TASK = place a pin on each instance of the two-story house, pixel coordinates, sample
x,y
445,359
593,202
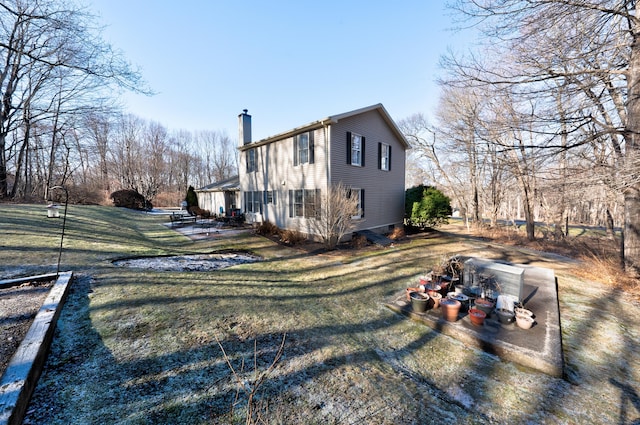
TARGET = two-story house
x,y
283,177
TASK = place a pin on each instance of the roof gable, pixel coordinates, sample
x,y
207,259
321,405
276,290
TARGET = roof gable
x,y
333,119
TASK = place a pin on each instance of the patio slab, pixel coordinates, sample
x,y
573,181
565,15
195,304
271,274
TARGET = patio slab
x,y
539,348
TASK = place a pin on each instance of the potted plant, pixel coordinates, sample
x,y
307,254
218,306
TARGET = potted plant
x,y
477,316
484,304
524,321
524,317
450,309
419,301
505,316
411,290
462,298
436,297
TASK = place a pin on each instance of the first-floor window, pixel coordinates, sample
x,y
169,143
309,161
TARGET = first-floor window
x,y
252,201
298,203
270,197
304,203
359,194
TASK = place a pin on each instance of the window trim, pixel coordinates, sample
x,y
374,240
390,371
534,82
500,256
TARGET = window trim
x,y
252,164
360,194
350,151
304,203
297,152
384,161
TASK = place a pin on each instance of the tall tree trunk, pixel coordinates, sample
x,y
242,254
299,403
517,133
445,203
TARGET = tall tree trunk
x,y
632,156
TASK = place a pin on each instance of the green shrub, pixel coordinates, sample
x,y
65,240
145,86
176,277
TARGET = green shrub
x,y
129,198
426,206
191,197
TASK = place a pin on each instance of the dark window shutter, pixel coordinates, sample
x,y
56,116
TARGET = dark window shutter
x,y
295,150
379,156
261,203
274,197
361,203
291,203
311,147
362,153
349,147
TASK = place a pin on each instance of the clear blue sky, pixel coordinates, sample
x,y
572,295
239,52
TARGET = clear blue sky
x,y
287,62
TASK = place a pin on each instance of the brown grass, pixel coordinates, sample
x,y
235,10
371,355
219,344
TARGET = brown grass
x,y
599,256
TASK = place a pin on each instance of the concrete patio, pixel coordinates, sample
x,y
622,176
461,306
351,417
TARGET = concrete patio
x,y
539,347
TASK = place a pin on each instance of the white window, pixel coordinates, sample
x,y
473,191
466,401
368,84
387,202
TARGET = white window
x,y
304,203
252,201
298,203
303,148
359,194
251,160
384,157
270,197
356,149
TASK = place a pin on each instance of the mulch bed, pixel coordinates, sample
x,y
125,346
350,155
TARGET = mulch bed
x,y
18,307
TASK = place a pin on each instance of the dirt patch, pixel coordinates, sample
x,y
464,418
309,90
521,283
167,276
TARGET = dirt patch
x,y
18,307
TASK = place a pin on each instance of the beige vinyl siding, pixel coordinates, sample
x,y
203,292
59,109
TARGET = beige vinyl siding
x,y
276,172
384,190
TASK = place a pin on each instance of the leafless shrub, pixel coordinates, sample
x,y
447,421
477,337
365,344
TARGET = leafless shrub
x,y
293,237
266,228
358,241
334,219
251,386
397,234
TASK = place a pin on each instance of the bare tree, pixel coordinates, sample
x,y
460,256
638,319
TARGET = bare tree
x,y
52,60
334,214
219,155
588,48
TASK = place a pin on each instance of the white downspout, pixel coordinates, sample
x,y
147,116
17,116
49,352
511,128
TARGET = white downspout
x,y
327,151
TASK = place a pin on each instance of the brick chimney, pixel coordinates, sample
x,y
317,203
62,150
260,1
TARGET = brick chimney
x,y
244,128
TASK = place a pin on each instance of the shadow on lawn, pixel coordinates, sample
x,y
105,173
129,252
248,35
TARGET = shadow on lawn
x,y
84,382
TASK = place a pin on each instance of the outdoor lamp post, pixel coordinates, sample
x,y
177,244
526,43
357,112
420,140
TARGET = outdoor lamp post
x,y
52,211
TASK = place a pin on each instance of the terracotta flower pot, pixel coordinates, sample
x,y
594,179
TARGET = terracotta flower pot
x,y
432,287
477,316
524,322
419,302
436,298
450,309
464,300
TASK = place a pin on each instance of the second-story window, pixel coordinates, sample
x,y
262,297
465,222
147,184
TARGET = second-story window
x,y
251,160
384,157
303,148
355,149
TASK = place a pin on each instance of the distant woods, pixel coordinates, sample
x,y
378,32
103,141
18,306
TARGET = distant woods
x,y
60,123
540,120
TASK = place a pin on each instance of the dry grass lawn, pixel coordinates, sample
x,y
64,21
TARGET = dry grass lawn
x,y
141,347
